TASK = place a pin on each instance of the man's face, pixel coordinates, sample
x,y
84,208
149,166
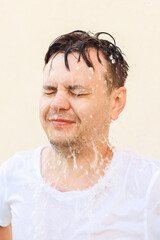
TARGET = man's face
x,y
75,106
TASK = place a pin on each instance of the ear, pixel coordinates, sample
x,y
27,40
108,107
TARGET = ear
x,y
118,102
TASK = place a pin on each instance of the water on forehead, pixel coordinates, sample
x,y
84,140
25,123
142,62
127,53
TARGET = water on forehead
x,y
79,72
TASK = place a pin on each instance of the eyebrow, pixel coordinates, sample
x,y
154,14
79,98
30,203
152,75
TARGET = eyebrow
x,y
70,87
49,87
74,87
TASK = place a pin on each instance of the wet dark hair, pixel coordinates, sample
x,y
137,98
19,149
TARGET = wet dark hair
x,y
81,41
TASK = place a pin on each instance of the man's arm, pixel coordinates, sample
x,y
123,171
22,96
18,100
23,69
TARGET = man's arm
x,y
6,233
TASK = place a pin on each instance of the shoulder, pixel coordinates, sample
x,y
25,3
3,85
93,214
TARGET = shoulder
x,y
20,163
136,171
138,162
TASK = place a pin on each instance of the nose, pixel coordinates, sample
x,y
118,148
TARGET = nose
x,y
60,102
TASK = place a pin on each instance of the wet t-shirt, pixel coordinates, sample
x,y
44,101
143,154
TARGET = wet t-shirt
x,y
123,205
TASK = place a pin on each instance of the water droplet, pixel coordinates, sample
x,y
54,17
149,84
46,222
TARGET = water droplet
x,y
111,57
59,162
91,70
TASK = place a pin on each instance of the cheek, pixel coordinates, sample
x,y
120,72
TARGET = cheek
x,y
44,107
85,110
82,108
100,111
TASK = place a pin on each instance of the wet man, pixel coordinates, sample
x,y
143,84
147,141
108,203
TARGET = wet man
x,y
79,186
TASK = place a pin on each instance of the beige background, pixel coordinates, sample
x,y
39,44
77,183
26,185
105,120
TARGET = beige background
x,y
27,28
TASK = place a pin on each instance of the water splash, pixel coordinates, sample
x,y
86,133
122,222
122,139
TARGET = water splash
x,y
95,162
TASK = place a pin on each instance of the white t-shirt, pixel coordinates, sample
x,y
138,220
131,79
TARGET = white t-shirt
x,y
123,205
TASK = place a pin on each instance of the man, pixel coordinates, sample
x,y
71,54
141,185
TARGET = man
x,y
79,186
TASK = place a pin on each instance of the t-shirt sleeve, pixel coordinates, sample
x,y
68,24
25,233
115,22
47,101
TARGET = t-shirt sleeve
x,y
153,208
5,213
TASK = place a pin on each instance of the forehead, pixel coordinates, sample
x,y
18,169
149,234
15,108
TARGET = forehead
x,y
55,69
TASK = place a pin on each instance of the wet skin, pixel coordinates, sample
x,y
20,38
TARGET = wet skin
x,y
75,111
75,104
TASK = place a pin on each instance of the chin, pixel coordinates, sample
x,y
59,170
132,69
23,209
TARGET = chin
x,y
67,142
64,146
61,139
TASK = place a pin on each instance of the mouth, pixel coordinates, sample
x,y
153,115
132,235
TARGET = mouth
x,y
60,122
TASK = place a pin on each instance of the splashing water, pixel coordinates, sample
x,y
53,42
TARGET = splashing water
x,y
95,162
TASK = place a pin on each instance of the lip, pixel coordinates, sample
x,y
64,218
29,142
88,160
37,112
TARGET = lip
x,y
60,121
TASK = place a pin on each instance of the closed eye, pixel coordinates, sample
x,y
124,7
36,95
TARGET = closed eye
x,y
49,93
49,90
79,94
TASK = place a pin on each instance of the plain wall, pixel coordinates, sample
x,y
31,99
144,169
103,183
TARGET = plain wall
x,y
28,27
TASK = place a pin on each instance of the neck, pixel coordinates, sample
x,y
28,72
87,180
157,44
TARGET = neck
x,y
75,169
